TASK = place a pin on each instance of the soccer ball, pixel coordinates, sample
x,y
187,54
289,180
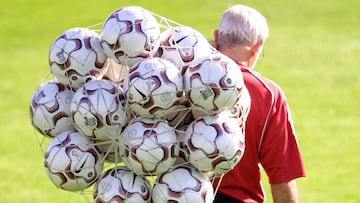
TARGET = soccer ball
x,y
130,34
111,150
180,114
98,110
213,85
214,143
241,109
76,56
119,185
152,87
182,184
50,109
150,146
115,72
183,46
72,162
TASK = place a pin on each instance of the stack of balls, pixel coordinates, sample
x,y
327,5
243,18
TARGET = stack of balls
x,y
150,98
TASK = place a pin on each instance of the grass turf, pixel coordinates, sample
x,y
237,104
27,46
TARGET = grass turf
x,y
312,53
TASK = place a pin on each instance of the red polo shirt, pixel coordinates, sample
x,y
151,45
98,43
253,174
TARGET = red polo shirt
x,y
270,141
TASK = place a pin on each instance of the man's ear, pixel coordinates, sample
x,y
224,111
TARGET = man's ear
x,y
214,42
256,48
216,34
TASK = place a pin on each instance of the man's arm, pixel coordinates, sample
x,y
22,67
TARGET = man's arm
x,y
285,192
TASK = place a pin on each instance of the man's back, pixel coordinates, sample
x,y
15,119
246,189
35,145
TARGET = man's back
x,y
269,140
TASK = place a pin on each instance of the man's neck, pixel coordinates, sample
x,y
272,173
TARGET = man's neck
x,y
240,54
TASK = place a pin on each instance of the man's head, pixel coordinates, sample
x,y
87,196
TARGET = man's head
x,y
241,34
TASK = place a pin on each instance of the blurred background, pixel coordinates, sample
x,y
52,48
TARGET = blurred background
x,y
312,53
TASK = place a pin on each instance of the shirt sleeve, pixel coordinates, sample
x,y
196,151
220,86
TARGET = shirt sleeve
x,y
279,150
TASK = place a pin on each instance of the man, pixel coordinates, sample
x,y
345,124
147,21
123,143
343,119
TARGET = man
x,y
270,139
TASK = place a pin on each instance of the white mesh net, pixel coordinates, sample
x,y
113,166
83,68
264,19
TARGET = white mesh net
x,y
158,137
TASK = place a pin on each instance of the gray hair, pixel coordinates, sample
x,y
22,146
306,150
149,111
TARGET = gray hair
x,y
242,25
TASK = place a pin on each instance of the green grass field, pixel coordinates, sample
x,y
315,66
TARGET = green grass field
x,y
313,53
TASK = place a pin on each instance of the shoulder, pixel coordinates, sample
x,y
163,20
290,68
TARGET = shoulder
x,y
259,84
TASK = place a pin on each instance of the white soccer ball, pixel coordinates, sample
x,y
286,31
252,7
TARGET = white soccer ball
x,y
50,109
76,56
241,109
214,143
213,85
121,185
182,184
152,87
98,110
110,149
183,46
115,72
150,146
180,114
72,162
130,34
